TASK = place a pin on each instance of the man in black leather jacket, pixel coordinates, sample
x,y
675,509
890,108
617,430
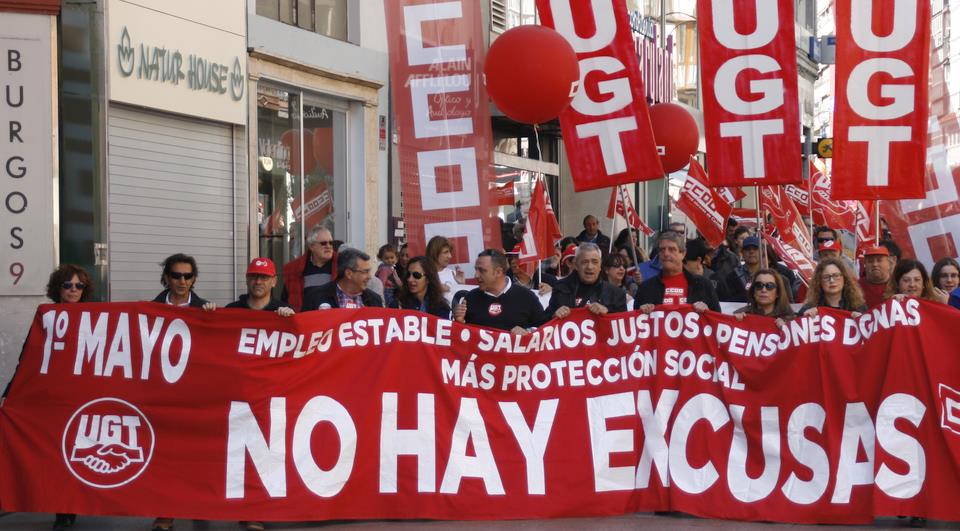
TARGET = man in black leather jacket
x,y
585,288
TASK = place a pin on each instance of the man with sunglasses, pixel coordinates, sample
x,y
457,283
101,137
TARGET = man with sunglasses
x,y
178,278
314,268
349,290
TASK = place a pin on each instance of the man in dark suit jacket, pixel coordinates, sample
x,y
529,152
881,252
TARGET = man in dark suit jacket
x,y
349,290
585,289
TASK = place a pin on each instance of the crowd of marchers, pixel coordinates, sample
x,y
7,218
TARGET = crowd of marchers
x,y
587,271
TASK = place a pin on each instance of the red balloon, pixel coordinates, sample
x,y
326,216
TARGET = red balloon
x,y
676,130
531,73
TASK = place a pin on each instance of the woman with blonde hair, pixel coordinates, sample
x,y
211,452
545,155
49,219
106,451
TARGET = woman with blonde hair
x,y
833,286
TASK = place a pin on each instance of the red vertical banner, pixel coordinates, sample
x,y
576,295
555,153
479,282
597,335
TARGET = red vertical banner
x,y
750,98
880,117
606,128
704,205
443,124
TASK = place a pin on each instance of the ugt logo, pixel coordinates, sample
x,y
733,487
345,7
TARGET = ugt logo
x,y
107,443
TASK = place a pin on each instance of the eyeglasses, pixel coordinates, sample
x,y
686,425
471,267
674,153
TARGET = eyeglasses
x,y
324,243
617,265
71,285
361,271
415,274
832,277
769,286
177,276
824,240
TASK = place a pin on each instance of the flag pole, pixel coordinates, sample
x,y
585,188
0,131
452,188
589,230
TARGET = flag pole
x,y
876,216
623,201
813,244
763,243
613,221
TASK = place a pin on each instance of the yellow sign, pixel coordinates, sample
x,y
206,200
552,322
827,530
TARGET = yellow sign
x,y
825,148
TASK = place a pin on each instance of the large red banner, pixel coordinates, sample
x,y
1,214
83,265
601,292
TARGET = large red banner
x,y
606,128
750,96
145,409
444,138
880,117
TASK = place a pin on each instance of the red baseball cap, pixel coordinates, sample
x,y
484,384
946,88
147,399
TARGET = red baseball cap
x,y
262,266
569,252
878,250
829,245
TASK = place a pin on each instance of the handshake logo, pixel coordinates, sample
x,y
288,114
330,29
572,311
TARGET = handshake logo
x,y
950,405
107,443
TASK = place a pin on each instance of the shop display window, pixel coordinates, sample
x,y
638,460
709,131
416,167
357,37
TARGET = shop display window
x,y
301,160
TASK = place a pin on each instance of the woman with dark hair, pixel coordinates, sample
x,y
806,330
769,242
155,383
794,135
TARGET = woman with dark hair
x,y
421,289
833,286
69,283
910,279
767,296
440,252
614,270
946,276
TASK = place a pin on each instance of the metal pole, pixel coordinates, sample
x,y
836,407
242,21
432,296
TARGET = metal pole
x,y
876,216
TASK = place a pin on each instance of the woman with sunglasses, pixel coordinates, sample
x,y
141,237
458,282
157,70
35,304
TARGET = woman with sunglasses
x,y
614,271
421,289
833,286
68,284
767,295
910,279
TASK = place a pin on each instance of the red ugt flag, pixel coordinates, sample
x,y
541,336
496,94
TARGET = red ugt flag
x,y
704,205
880,118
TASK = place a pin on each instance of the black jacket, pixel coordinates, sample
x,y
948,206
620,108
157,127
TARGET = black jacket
x,y
327,294
699,289
602,241
195,300
517,306
565,294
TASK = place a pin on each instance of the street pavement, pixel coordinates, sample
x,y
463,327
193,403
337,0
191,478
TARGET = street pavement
x,y
35,522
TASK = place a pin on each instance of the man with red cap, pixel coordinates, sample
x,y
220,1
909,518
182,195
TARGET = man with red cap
x,y
261,279
829,249
877,268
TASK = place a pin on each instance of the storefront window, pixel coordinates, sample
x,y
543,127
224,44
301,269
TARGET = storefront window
x,y
301,160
